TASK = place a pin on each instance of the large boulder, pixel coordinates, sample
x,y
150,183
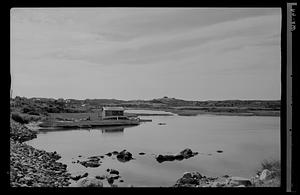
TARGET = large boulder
x,y
90,163
113,171
77,176
124,156
110,179
187,153
179,157
161,158
194,175
94,158
189,179
89,182
101,177
236,181
265,175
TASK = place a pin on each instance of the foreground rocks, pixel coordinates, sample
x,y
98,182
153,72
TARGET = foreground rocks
x,y
185,154
98,181
30,167
78,176
124,156
89,182
93,161
20,133
195,179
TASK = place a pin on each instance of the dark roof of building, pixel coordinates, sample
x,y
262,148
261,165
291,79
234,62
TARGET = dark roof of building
x,y
113,108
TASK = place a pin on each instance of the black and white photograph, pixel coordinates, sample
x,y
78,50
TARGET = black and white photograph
x,y
135,97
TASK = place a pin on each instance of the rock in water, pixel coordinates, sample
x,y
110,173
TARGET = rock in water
x,y
186,153
78,176
113,171
94,158
108,154
161,158
100,177
179,157
89,182
110,180
124,156
90,163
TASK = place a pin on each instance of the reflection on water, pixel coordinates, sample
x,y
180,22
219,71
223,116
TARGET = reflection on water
x,y
113,131
107,129
245,142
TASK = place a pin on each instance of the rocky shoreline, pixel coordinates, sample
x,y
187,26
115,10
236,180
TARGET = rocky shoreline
x,y
194,179
30,167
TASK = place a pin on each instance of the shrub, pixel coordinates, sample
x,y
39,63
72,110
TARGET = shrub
x,y
18,118
27,109
24,118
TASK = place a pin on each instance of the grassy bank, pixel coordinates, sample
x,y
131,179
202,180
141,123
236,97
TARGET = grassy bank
x,y
43,106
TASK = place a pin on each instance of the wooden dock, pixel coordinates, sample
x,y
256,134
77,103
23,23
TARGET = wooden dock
x,y
87,123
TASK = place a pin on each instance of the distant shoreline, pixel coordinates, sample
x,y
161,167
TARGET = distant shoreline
x,y
193,112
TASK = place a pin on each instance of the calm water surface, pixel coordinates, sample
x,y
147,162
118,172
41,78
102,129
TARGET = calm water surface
x,y
244,140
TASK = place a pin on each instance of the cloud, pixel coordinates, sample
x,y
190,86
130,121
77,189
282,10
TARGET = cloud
x,y
178,44
225,36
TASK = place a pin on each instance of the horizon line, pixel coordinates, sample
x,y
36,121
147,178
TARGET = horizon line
x,y
149,99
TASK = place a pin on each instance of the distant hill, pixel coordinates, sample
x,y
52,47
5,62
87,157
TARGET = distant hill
x,y
50,105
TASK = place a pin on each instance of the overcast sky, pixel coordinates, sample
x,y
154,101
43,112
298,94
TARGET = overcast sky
x,y
145,53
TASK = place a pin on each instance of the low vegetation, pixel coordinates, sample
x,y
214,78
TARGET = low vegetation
x,y
42,107
25,118
27,110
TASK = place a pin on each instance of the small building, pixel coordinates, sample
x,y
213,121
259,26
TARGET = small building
x,y
112,112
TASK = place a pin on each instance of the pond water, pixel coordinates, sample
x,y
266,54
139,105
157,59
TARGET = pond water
x,y
245,141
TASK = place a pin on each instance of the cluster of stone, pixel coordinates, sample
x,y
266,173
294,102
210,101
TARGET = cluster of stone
x,y
20,132
96,181
184,154
30,167
195,179
123,156
93,161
